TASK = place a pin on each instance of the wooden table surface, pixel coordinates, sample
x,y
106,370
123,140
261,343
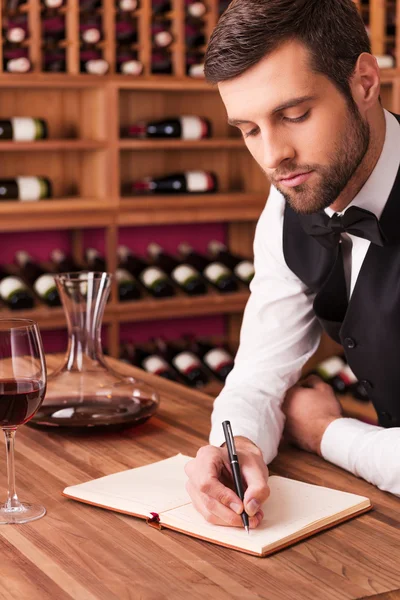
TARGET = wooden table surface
x,y
86,553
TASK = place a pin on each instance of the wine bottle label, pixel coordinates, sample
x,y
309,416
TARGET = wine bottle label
x,y
330,367
10,285
91,36
163,39
53,3
155,364
193,128
96,66
196,70
122,275
216,271
183,273
26,129
197,9
128,5
18,65
151,275
385,61
198,181
31,189
16,35
44,284
131,67
217,358
244,270
186,361
347,375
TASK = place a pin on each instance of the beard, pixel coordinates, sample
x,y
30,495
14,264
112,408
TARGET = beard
x,y
350,150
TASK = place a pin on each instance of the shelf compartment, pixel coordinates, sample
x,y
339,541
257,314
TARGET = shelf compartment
x,y
182,306
166,144
59,145
60,213
199,208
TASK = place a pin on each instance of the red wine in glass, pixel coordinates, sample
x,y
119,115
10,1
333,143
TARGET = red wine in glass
x,y
22,389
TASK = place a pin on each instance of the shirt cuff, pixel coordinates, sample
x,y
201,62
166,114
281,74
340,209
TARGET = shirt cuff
x,y
339,438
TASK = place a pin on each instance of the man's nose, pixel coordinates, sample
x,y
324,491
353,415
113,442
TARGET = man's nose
x,y
276,149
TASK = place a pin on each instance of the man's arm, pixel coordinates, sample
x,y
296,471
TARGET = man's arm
x,y
279,333
314,423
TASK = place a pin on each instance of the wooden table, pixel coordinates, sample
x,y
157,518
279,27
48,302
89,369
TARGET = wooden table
x,y
86,553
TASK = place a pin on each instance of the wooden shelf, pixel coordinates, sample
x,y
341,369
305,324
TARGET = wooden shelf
x,y
182,306
61,213
162,144
47,318
199,208
53,146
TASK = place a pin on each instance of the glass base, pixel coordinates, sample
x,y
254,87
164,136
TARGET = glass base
x,y
24,513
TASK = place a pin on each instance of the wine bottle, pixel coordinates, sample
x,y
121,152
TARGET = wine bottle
x,y
215,357
15,60
329,370
14,292
16,30
187,364
186,276
161,35
91,62
128,5
195,65
54,61
214,271
161,63
186,127
128,288
25,189
88,6
194,36
23,129
160,7
90,31
128,62
154,279
195,9
43,283
63,263
153,363
191,182
125,31
53,28
241,267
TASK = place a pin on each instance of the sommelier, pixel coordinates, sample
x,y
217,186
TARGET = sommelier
x,y
299,81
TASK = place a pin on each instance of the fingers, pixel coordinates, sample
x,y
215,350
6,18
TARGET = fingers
x,y
314,382
218,503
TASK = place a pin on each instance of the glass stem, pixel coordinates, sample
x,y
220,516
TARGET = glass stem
x,y
12,498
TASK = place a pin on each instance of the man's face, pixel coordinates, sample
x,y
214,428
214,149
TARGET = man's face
x,y
298,126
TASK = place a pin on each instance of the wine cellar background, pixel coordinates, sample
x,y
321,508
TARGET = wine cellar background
x,y
91,164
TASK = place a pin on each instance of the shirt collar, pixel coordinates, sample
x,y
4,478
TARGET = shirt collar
x,y
376,190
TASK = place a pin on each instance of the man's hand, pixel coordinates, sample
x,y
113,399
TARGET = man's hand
x,y
309,410
211,486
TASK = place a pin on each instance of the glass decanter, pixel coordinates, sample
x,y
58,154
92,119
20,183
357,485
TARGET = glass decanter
x,y
84,391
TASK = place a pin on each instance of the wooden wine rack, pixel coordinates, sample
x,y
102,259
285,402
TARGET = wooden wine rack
x,y
89,163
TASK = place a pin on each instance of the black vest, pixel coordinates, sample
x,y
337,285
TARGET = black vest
x,y
368,326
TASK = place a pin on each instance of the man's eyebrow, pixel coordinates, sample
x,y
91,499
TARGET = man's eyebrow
x,y
289,104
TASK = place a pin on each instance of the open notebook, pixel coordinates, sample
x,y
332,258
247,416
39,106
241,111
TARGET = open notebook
x,y
157,493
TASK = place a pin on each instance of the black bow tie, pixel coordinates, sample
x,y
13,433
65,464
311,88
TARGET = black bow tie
x,y
355,221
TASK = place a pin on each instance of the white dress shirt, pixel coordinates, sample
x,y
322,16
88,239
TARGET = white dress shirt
x,y
280,332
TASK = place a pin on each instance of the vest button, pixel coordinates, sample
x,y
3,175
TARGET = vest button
x,y
350,343
367,385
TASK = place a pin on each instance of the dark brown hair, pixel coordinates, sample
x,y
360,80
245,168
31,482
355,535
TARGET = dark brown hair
x,y
332,31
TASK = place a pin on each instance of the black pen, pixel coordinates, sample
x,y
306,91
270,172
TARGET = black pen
x,y
233,459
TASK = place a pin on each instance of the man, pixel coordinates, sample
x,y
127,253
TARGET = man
x,y
298,80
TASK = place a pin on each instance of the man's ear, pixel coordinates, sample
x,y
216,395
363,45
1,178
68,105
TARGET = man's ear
x,y
365,83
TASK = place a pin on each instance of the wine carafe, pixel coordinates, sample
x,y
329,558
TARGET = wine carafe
x,y
84,391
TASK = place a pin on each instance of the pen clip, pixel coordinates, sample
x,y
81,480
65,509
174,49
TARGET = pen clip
x,y
229,434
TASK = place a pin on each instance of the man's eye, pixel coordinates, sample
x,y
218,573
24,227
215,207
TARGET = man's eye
x,y
251,133
298,119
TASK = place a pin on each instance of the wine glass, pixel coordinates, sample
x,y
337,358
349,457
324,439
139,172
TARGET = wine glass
x,y
22,389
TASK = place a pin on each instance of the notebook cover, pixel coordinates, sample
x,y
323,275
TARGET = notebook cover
x,y
156,523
